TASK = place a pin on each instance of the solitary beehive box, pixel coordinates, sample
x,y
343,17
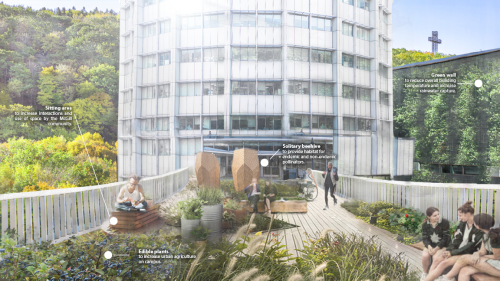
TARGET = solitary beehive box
x,y
207,169
245,167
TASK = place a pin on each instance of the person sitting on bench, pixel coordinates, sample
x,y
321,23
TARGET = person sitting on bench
x,y
436,237
253,194
270,196
467,240
131,196
486,260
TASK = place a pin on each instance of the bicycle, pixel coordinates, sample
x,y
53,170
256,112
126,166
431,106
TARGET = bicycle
x,y
309,192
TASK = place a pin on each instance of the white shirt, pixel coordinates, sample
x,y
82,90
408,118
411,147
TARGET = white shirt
x,y
465,236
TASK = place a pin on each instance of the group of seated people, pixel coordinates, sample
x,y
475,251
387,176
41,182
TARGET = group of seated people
x,y
253,195
475,247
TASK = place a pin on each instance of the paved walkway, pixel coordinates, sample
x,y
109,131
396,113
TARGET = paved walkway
x,y
316,220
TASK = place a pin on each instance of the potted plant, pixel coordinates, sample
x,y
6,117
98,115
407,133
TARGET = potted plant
x,y
200,234
191,215
212,210
227,219
234,207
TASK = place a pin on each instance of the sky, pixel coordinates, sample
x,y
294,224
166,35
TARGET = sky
x,y
464,26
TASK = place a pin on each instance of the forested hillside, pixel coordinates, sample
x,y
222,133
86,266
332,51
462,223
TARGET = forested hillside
x,y
67,57
61,58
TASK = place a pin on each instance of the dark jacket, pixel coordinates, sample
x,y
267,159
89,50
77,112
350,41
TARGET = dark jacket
x,y
474,241
248,190
438,236
270,190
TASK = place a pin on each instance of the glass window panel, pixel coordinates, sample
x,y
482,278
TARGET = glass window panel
x,y
206,123
236,20
236,53
190,22
252,20
261,54
197,89
251,123
197,55
220,122
206,21
261,20
197,22
252,56
214,21
305,54
277,20
269,20
277,54
222,55
291,20
305,21
298,21
321,24
244,54
314,23
261,123
328,25
328,57
290,53
261,88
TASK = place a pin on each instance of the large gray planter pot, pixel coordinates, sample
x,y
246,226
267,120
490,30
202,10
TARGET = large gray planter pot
x,y
212,219
186,227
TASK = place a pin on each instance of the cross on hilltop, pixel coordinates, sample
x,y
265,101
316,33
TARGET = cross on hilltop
x,y
435,41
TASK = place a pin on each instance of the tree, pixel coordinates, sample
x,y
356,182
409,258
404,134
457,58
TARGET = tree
x,y
90,111
85,90
106,78
50,91
402,56
4,95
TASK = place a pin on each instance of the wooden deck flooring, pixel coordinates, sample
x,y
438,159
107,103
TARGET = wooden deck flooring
x,y
316,220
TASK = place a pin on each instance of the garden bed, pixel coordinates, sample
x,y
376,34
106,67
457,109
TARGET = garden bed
x,y
405,223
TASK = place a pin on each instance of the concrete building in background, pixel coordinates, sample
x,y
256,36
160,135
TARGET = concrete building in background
x,y
221,75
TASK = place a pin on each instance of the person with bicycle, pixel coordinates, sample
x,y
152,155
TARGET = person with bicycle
x,y
311,176
330,183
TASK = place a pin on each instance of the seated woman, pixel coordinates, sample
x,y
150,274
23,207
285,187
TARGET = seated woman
x,y
311,178
486,260
269,196
467,240
253,194
436,237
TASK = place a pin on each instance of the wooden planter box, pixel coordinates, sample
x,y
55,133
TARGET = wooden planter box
x,y
226,225
136,219
292,206
240,214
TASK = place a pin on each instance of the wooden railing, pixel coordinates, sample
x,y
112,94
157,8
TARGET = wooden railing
x,y
53,214
447,197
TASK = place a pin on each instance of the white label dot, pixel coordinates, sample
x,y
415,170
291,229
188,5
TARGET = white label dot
x,y
478,83
113,221
108,255
264,162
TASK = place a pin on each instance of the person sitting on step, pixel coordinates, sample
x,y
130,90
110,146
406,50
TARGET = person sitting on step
x,y
436,237
486,260
467,240
253,193
131,196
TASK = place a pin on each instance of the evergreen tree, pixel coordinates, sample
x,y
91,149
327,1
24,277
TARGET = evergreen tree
x,y
58,11
96,11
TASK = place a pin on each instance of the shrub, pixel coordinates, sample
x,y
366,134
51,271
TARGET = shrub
x,y
210,196
191,208
375,207
200,233
232,205
228,217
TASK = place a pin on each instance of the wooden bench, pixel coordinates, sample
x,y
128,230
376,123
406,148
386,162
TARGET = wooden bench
x,y
136,219
476,277
292,206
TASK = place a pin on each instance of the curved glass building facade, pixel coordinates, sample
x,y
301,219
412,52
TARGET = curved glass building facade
x,y
225,74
